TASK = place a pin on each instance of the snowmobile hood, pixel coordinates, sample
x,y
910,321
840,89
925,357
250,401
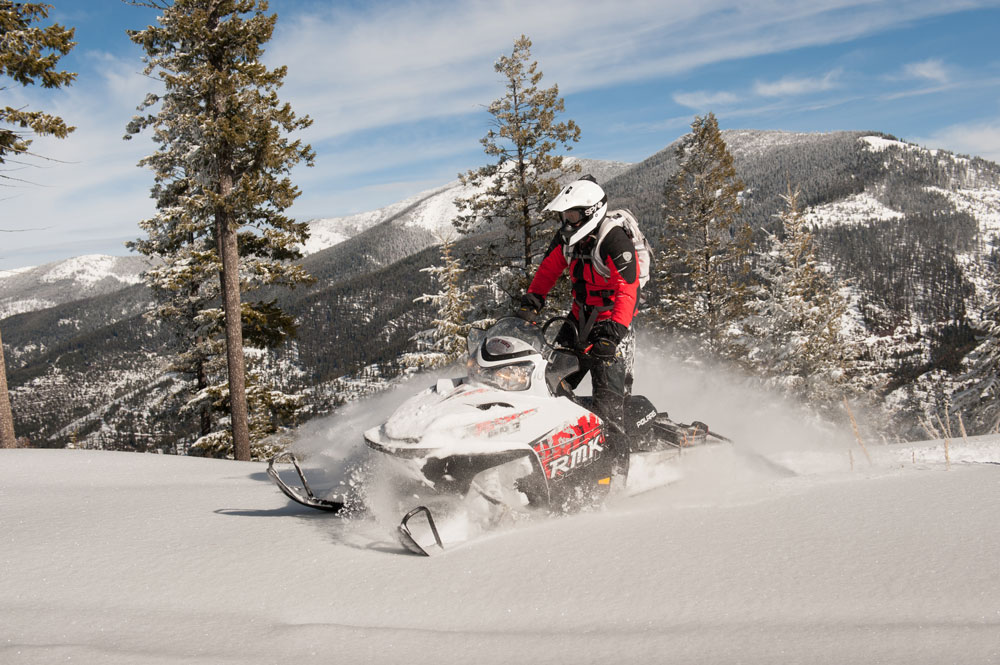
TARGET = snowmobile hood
x,y
455,416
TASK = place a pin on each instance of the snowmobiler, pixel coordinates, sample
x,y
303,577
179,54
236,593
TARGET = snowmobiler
x,y
603,263
510,438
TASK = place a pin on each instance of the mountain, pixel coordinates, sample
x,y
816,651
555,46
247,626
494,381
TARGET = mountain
x,y
61,282
409,225
432,210
905,226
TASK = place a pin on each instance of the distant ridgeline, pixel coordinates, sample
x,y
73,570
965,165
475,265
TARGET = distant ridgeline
x,y
905,226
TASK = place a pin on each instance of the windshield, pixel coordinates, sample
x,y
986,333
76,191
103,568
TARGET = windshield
x,y
510,326
560,363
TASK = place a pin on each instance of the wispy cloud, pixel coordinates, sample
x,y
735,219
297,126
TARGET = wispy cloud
x,y
789,86
370,73
90,190
980,83
702,99
377,64
980,139
933,70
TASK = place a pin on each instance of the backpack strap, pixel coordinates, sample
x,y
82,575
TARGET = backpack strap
x,y
609,222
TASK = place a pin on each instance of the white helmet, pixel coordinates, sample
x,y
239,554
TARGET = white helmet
x,y
585,196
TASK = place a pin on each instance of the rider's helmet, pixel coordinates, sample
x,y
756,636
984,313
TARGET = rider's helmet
x,y
505,362
582,205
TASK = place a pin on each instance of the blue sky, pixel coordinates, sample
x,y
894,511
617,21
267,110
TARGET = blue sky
x,y
397,91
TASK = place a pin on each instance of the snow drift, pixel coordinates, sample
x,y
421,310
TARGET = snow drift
x,y
124,558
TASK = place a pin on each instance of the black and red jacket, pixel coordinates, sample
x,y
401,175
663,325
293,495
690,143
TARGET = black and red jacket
x,y
611,298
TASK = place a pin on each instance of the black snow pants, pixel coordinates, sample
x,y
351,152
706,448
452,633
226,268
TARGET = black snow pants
x,y
611,381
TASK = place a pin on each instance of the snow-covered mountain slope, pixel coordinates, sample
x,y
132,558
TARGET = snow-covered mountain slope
x,y
123,558
856,209
41,287
52,284
432,210
972,190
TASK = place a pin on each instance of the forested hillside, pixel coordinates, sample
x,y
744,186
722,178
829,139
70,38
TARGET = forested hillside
x,y
911,231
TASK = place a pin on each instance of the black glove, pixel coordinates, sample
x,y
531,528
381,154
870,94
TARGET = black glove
x,y
531,307
605,339
604,349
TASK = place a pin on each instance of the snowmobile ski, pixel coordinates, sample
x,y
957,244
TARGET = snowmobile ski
x,y
410,542
304,494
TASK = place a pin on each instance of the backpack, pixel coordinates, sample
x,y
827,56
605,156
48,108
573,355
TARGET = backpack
x,y
643,249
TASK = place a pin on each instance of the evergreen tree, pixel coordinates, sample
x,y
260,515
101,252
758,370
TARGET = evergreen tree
x,y
185,281
513,190
221,168
28,55
272,413
445,343
792,333
978,396
704,265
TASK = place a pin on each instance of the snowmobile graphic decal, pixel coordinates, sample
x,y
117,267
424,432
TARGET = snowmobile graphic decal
x,y
498,426
571,448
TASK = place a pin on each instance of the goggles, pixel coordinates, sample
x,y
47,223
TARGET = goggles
x,y
572,217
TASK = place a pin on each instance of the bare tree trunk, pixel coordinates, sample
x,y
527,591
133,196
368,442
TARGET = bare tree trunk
x,y
230,277
225,234
6,416
205,416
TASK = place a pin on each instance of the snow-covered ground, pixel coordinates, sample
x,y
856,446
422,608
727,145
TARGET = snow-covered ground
x,y
881,144
852,210
127,558
35,288
90,269
982,203
432,210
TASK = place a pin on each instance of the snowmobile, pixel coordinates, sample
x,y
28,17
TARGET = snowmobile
x,y
508,439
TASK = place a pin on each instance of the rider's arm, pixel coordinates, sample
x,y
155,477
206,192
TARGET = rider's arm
x,y
618,254
550,269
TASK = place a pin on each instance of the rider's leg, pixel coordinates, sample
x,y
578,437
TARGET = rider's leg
x,y
608,378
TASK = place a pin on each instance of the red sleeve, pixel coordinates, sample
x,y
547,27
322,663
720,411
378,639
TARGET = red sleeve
x,y
549,270
626,296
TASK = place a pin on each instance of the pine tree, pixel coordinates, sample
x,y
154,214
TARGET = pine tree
x,y
184,279
221,169
978,395
445,343
514,189
272,413
28,55
705,261
24,60
792,333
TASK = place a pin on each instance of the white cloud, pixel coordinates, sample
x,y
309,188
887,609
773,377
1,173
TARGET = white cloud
x,y
380,64
979,139
89,192
377,65
932,70
703,100
789,86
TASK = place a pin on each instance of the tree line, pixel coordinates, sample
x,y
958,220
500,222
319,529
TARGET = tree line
x,y
733,280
